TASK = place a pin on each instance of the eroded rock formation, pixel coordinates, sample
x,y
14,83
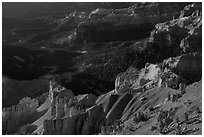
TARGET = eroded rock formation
x,y
182,35
141,80
161,98
19,114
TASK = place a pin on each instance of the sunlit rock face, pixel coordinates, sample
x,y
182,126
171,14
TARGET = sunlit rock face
x,y
70,112
141,96
87,114
82,114
58,96
173,71
132,79
182,35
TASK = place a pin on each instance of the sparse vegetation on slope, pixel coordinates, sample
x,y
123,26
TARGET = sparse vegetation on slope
x,y
152,52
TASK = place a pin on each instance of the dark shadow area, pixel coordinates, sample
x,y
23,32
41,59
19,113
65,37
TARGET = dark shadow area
x,y
22,63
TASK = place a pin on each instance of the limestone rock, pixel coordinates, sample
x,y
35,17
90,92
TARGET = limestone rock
x,y
86,101
69,126
91,122
190,67
72,114
141,80
187,66
107,102
80,124
182,35
58,96
118,107
15,116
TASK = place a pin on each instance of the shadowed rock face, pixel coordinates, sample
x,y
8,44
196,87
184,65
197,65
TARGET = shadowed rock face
x,y
83,114
87,114
13,91
187,66
190,66
117,109
110,107
16,116
69,112
153,100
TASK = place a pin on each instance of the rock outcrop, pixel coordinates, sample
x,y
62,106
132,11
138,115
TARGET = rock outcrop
x,y
67,109
163,97
124,24
117,109
182,35
16,116
88,114
58,95
141,80
83,114
189,67
13,90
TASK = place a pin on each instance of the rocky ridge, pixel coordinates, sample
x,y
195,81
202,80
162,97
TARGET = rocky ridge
x,y
88,114
161,98
181,35
77,28
104,111
124,24
19,114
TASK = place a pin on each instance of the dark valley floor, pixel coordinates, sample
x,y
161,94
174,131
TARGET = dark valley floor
x,y
102,68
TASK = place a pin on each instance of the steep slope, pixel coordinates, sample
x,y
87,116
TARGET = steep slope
x,y
158,90
137,111
162,104
182,35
